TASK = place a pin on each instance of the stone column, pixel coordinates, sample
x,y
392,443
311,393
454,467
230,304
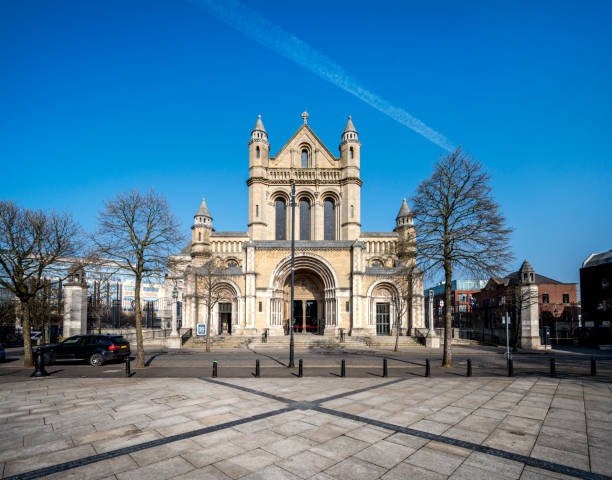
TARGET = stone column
x,y
174,341
530,321
75,309
432,340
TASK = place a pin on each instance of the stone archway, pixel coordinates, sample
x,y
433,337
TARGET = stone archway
x,y
315,282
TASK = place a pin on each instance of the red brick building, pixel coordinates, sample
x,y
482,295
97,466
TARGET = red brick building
x,y
558,305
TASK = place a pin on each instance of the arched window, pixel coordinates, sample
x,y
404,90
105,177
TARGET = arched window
x,y
304,219
257,150
232,264
351,152
304,158
329,219
281,219
377,264
199,236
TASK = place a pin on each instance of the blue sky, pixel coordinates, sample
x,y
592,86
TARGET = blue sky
x,y
100,97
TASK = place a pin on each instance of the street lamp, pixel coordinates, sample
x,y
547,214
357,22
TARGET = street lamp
x,y
291,345
174,331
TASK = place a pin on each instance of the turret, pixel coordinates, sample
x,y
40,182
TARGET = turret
x,y
350,147
404,226
259,147
526,274
200,232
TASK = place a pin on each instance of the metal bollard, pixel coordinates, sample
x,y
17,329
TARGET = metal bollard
x,y
552,367
593,367
510,367
469,367
385,370
300,369
257,372
427,368
343,369
214,369
39,364
128,367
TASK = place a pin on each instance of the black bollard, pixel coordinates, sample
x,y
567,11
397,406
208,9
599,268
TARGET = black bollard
x,y
343,369
553,369
427,368
469,368
257,372
385,371
214,369
128,369
593,367
300,369
510,368
39,364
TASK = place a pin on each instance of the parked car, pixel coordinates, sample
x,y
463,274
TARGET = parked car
x,y
2,353
96,349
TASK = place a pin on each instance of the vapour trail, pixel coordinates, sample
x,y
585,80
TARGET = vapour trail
x,y
254,25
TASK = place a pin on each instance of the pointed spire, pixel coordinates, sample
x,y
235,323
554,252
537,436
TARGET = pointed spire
x,y
259,125
404,210
349,126
203,210
526,267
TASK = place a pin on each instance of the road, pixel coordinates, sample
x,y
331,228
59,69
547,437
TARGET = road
x,y
236,363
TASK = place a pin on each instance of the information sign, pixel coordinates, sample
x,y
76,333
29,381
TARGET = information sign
x,y
201,329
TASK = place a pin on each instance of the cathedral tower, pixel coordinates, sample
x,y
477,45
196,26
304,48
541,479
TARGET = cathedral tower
x,y
404,226
200,233
350,149
259,157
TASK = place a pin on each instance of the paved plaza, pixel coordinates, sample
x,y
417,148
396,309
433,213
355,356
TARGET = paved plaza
x,y
365,427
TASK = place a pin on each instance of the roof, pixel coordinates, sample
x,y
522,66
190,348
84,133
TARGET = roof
x,y
349,126
259,125
186,249
513,279
305,126
203,210
229,234
404,210
597,259
378,234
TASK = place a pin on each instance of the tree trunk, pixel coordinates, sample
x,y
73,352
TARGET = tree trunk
x,y
140,357
208,321
27,334
447,360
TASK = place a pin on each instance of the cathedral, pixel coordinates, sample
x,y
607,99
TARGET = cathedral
x,y
344,278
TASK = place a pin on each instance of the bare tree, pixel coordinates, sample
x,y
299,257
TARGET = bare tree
x,y
210,276
404,280
136,231
459,225
32,243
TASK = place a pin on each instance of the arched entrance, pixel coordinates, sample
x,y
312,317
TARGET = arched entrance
x,y
308,301
315,294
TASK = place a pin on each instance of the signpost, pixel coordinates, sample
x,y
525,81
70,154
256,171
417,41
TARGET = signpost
x,y
201,330
506,320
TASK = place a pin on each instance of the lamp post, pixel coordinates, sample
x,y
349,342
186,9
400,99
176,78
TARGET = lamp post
x,y
291,345
174,331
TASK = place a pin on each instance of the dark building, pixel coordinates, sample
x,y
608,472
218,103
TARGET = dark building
x,y
596,290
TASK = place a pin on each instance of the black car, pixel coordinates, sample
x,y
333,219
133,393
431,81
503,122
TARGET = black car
x,y
96,349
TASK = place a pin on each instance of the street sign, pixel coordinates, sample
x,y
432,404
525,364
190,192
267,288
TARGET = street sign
x,y
201,329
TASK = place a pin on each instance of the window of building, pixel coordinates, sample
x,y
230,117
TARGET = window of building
x,y
352,211
351,152
348,306
545,298
304,158
462,297
257,210
281,219
566,298
304,219
377,264
199,236
463,308
260,307
258,153
329,219
232,264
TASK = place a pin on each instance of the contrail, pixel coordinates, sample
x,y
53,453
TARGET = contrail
x,y
254,25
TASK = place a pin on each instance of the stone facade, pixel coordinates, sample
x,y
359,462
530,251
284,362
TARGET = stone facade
x,y
344,278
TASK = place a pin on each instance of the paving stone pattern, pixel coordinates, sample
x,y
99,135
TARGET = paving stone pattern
x,y
309,428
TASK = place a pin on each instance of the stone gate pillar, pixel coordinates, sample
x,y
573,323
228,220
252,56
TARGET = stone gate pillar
x,y
75,303
528,301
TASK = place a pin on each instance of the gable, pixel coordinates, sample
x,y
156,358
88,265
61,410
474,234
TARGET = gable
x,y
304,138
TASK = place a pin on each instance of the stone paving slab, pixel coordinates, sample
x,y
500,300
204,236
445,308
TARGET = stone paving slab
x,y
434,428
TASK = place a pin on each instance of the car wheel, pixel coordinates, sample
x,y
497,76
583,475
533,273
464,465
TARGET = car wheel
x,y
96,360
